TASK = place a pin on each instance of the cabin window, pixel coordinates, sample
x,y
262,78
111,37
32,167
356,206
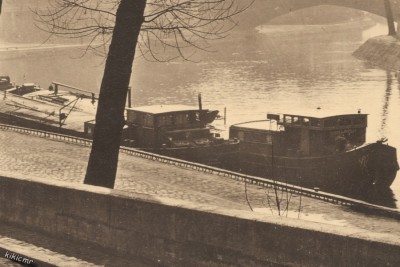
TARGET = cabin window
x,y
315,122
240,135
132,116
296,120
192,117
171,119
164,120
161,121
181,118
288,119
148,120
330,122
344,121
268,139
306,121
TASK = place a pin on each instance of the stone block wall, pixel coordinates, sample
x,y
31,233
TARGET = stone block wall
x,y
173,233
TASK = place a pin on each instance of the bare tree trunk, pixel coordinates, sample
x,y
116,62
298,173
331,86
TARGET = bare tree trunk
x,y
103,161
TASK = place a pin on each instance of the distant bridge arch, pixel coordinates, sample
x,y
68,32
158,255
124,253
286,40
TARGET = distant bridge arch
x,y
265,10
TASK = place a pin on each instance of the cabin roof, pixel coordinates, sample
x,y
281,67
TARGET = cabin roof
x,y
159,109
323,116
321,113
259,125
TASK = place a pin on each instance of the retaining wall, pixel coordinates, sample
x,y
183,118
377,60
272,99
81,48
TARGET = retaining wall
x,y
175,233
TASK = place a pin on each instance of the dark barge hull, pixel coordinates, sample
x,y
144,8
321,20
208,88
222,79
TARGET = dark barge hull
x,y
217,155
369,165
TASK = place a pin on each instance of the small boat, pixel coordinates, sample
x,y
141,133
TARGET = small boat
x,y
54,110
178,131
314,150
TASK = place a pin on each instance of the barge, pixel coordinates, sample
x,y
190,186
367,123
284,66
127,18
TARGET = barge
x,y
314,151
177,131
52,109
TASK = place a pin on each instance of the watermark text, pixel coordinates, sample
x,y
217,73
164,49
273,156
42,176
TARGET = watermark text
x,y
18,258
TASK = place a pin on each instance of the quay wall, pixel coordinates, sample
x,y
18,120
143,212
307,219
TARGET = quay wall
x,y
168,232
381,51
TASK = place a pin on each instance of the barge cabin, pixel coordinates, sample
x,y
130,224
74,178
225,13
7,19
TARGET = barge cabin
x,y
178,131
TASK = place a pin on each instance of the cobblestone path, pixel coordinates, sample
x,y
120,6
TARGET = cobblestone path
x,y
38,157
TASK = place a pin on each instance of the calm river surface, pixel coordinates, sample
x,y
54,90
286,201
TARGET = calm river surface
x,y
279,69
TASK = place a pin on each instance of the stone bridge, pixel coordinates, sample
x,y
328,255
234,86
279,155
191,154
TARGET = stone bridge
x,y
265,10
261,12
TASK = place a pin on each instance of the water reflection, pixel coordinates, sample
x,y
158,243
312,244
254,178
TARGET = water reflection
x,y
386,100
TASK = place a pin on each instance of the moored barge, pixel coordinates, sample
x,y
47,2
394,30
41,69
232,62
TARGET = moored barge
x,y
61,111
315,151
179,131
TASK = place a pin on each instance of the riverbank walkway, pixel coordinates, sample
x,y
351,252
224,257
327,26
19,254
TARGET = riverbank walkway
x,y
35,157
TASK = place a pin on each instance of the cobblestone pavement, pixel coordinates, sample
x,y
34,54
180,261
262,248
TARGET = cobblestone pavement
x,y
37,157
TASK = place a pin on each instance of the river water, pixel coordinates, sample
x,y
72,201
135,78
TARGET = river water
x,y
276,69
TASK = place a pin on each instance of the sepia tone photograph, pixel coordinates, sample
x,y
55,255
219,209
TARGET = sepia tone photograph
x,y
199,133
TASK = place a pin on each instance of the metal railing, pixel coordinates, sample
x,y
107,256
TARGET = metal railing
x,y
47,135
259,181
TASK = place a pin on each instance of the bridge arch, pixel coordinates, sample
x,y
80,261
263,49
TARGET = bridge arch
x,y
263,11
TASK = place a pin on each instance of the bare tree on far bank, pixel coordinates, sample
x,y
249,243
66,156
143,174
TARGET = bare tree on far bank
x,y
161,30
